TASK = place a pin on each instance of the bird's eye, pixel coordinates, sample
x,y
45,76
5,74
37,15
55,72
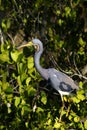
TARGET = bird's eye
x,y
36,47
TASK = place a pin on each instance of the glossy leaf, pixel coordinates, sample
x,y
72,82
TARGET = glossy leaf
x,y
57,124
17,101
76,119
39,109
9,90
15,55
31,91
43,98
4,57
30,62
85,124
28,80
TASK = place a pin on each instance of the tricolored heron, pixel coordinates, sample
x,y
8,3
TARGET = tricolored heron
x,y
58,80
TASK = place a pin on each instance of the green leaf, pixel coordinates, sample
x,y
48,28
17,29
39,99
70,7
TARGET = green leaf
x,y
60,22
68,11
4,57
23,102
28,80
9,90
81,97
26,124
21,68
49,121
85,124
39,109
25,20
76,100
6,23
16,55
70,117
25,109
2,127
30,62
19,81
61,43
43,98
76,119
80,84
5,85
31,91
81,42
80,92
57,124
58,12
17,101
51,33
23,77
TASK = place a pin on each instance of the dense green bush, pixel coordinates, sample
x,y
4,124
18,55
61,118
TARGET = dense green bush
x,y
25,100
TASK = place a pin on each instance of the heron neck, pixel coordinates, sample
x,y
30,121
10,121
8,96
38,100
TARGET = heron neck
x,y
43,72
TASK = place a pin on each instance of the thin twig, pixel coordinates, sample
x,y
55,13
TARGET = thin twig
x,y
75,64
80,75
55,63
10,38
1,36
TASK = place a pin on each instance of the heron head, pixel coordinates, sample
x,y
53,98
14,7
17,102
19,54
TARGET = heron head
x,y
35,42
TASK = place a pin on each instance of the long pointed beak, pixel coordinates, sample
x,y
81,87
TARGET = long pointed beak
x,y
25,45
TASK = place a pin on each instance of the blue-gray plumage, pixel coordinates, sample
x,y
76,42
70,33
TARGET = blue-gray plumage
x,y
59,81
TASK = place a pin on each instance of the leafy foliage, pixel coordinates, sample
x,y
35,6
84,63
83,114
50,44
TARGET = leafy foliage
x,y
26,102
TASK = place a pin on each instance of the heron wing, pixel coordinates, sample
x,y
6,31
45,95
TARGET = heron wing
x,y
61,82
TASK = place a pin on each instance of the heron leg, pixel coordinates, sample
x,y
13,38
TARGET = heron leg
x,y
62,109
63,105
68,110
